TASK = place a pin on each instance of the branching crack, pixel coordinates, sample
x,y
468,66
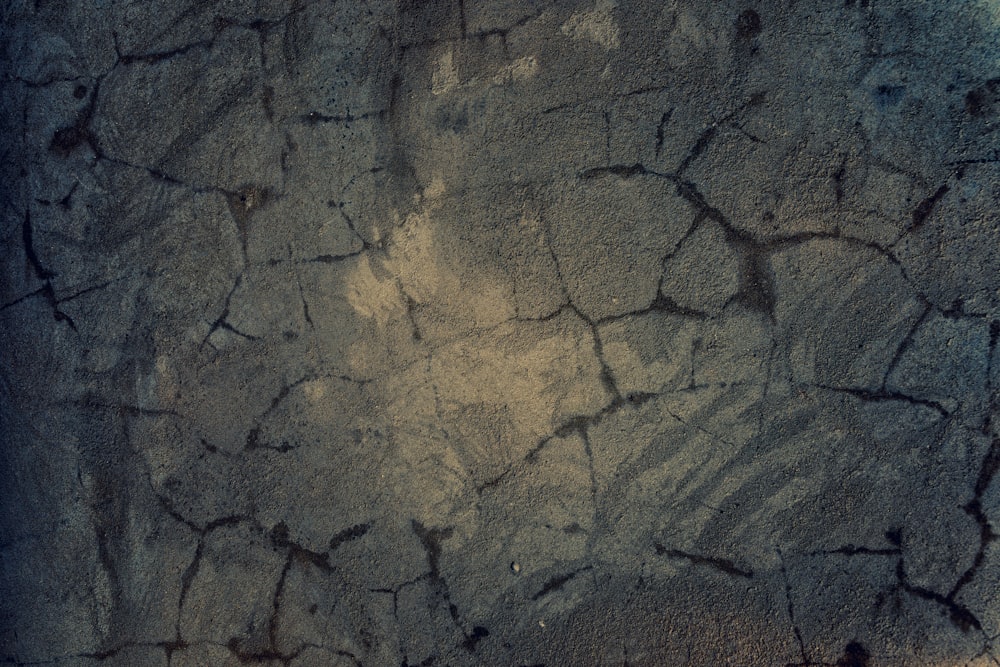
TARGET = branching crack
x,y
43,274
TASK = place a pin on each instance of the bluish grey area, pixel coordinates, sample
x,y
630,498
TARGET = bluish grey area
x,y
601,332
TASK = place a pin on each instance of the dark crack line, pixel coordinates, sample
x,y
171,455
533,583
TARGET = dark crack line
x,y
365,245
991,390
67,139
868,395
90,403
253,440
759,293
905,344
302,295
92,288
220,321
924,209
659,304
219,25
582,423
155,57
607,136
21,299
27,235
463,27
723,565
700,146
852,550
279,538
664,121
790,608
557,582
714,436
431,540
355,532
46,291
331,259
960,616
974,508
709,133
186,580
317,118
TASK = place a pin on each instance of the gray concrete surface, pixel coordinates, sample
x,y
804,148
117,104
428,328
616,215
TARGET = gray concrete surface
x,y
500,333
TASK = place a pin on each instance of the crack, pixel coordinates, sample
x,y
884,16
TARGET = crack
x,y
983,160
756,290
317,118
852,550
721,564
714,436
243,203
557,582
331,259
959,615
463,27
67,139
155,57
30,254
974,508
253,436
582,423
704,139
838,180
924,209
302,295
159,176
89,403
431,539
868,395
92,288
46,82
167,646
220,321
219,25
395,603
547,228
46,291
790,608
355,532
411,311
659,304
756,283
574,425
991,390
21,299
589,451
504,32
365,245
905,344
607,136
187,578
664,120
279,538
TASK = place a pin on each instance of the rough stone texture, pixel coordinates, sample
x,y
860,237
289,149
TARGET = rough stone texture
x,y
499,333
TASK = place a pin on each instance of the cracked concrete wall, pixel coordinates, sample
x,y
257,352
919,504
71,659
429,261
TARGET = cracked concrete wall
x,y
500,333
